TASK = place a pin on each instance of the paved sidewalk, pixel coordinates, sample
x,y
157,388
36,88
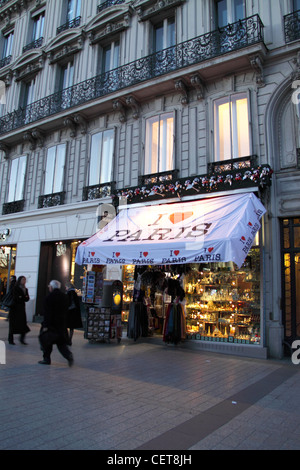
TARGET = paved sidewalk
x,y
144,395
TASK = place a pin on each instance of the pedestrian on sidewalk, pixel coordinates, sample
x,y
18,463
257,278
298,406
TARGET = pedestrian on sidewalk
x,y
17,312
74,313
54,329
7,300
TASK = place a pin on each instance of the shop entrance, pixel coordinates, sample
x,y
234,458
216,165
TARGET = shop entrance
x,y
7,267
57,261
290,256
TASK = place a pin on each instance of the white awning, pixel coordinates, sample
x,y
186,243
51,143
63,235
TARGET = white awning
x,y
217,229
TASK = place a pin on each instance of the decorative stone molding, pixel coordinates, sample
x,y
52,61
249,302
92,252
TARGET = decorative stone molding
x,y
119,106
108,22
197,83
70,124
9,8
35,137
109,29
28,137
66,45
39,137
73,122
296,64
5,150
181,87
257,65
148,8
6,76
29,65
81,122
134,105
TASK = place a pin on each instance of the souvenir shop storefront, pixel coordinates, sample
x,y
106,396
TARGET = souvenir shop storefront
x,y
194,268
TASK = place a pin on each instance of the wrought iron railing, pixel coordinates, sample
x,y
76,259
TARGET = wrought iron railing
x,y
33,45
221,41
240,174
108,4
292,26
158,178
97,191
51,200
236,164
69,24
11,207
5,61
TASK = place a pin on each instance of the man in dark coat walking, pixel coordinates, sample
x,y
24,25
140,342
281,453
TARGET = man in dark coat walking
x,y
54,329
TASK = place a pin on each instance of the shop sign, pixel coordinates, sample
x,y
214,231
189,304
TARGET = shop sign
x,y
4,234
211,230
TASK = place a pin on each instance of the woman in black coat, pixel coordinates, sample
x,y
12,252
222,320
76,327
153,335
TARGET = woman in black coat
x,y
74,313
17,313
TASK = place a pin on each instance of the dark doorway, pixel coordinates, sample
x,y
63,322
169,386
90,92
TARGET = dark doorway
x,y
57,261
290,258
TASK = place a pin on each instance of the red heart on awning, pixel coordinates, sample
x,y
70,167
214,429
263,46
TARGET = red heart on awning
x,y
118,254
177,217
92,253
176,252
145,253
210,249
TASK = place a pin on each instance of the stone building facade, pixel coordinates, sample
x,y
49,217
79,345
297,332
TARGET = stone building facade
x,y
126,100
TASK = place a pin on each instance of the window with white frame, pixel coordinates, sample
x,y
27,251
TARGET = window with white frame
x,y
55,166
2,98
231,127
8,45
73,9
164,34
17,179
159,143
229,11
110,56
101,157
38,27
65,82
29,92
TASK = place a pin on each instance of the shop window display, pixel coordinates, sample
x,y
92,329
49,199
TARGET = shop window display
x,y
221,302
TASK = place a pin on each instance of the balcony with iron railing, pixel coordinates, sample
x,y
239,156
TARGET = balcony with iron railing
x,y
228,175
5,61
232,38
69,25
12,207
107,4
292,26
33,45
51,200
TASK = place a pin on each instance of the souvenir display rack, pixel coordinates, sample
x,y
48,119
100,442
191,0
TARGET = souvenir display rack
x,y
102,323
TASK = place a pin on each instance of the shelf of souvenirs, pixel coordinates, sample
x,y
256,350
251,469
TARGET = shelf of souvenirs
x,y
225,330
225,294
220,278
223,305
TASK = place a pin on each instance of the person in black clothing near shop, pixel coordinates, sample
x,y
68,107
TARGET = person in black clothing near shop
x,y
54,329
17,313
74,313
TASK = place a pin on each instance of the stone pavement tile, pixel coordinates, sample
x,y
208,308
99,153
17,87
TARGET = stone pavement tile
x,y
124,396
